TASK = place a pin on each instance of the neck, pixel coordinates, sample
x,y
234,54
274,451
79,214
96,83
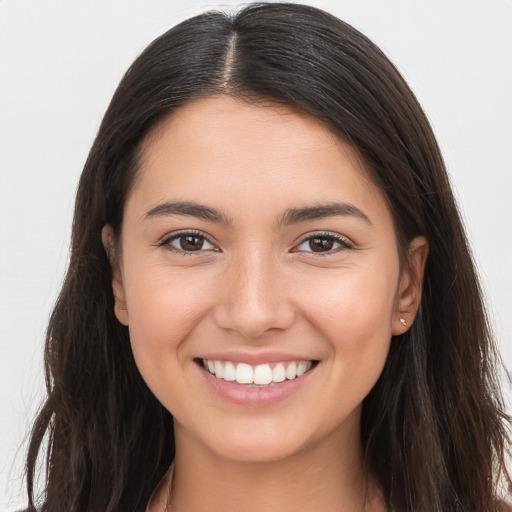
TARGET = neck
x,y
325,477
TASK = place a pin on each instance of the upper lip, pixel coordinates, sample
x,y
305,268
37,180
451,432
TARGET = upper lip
x,y
254,358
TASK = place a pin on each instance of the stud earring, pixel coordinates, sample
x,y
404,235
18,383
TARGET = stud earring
x,y
403,322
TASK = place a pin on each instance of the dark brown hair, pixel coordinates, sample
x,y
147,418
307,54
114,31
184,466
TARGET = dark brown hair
x,y
434,430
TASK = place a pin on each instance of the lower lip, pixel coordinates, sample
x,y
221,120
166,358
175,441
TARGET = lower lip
x,y
241,394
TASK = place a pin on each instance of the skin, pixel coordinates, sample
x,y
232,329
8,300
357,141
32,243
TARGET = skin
x,y
257,286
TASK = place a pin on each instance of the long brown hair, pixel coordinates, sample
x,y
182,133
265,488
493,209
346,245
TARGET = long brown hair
x,y
434,430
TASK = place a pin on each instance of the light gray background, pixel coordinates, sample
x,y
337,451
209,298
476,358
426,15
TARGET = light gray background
x,y
59,64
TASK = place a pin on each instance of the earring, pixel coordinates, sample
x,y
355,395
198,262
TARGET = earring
x,y
403,322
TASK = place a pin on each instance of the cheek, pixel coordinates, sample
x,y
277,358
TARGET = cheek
x,y
354,309
354,319
164,307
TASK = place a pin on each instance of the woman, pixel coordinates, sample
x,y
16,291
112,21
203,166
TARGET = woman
x,y
270,302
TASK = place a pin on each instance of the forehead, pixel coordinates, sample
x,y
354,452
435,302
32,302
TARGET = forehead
x,y
225,151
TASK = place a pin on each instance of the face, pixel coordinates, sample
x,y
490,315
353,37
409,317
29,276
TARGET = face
x,y
260,275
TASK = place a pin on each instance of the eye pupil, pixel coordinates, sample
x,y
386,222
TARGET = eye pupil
x,y
321,244
191,242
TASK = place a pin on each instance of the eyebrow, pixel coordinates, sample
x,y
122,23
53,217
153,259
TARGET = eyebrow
x,y
188,208
290,216
296,215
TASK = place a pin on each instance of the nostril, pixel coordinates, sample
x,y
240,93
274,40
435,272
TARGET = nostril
x,y
253,320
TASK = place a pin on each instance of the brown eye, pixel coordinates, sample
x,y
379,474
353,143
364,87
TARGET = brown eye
x,y
191,242
324,243
321,244
188,243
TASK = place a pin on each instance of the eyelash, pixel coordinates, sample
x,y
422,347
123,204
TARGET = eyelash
x,y
344,243
167,241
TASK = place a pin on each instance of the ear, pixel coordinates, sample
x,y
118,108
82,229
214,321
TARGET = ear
x,y
108,239
410,286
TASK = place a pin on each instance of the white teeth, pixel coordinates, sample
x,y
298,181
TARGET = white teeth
x,y
291,371
219,369
244,374
259,375
262,374
278,373
303,367
229,372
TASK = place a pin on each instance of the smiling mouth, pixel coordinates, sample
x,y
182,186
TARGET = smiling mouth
x,y
261,375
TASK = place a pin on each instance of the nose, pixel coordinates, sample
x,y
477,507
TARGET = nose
x,y
255,298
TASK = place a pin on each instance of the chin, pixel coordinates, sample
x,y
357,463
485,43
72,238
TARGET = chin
x,y
257,451
259,442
